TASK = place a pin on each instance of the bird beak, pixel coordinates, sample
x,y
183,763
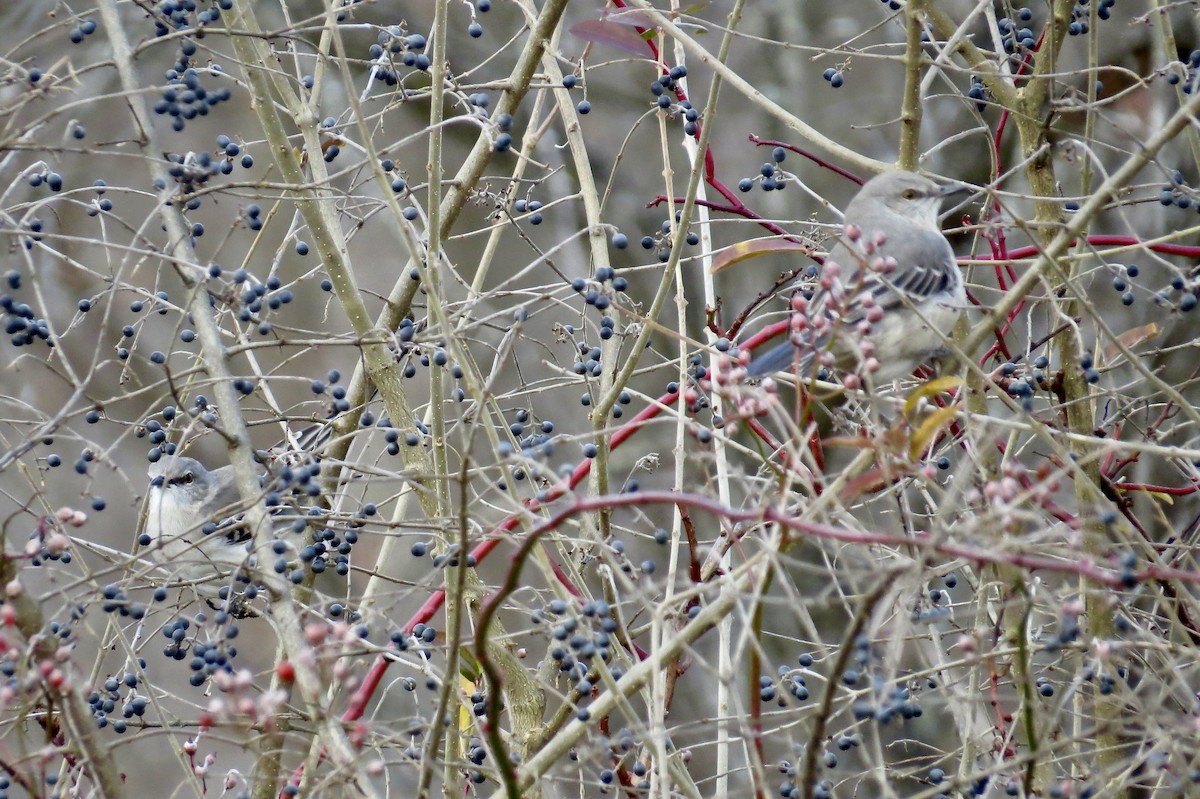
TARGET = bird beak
x,y
951,189
157,482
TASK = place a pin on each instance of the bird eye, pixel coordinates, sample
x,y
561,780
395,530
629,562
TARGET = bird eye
x,y
187,478
910,194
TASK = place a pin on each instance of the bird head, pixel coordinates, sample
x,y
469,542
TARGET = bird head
x,y
907,194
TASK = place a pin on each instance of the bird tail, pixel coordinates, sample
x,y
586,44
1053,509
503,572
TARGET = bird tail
x,y
300,446
780,359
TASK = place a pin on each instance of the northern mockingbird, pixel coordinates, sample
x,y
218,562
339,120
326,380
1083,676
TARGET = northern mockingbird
x,y
193,522
890,291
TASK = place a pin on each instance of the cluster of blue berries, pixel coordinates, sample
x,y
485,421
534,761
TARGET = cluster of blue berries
x,y
788,789
176,15
399,184
1016,40
191,171
631,756
21,323
36,226
595,293
535,440
583,107
771,177
475,752
104,702
978,93
578,638
83,30
184,97
1023,388
663,91
408,47
206,658
339,403
448,558
1177,193
662,239
834,77
504,133
1191,74
52,180
531,207
1181,292
115,600
1080,15
1121,283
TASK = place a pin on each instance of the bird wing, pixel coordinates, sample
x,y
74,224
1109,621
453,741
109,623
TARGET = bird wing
x,y
234,529
925,269
227,510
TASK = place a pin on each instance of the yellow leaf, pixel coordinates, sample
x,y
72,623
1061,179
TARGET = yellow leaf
x,y
468,666
929,389
466,717
929,428
1160,495
853,442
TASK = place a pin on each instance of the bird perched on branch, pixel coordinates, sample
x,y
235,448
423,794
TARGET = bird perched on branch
x,y
889,293
195,526
191,521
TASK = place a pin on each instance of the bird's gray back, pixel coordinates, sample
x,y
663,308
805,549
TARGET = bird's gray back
x,y
926,260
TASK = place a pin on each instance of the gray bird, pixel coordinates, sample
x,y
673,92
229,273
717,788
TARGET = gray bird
x,y
891,280
194,516
192,522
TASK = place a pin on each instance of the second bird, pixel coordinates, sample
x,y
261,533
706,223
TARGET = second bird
x,y
892,291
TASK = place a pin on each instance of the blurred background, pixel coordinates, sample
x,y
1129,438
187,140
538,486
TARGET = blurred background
x,y
75,404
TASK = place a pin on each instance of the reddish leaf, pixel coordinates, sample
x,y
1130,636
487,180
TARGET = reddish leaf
x,y
753,249
613,34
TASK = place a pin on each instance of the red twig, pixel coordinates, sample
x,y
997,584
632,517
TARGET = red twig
x,y
1174,491
816,159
